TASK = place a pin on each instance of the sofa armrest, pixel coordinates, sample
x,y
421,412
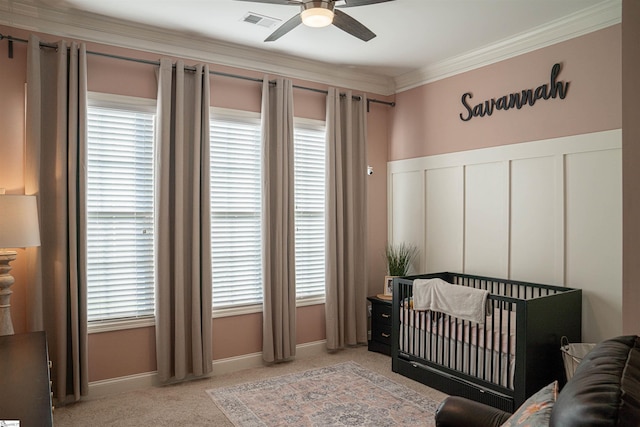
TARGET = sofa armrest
x,y
457,411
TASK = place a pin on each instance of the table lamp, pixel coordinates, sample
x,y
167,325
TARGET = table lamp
x,y
18,229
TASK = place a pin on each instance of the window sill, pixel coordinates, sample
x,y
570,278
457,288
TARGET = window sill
x,y
257,308
119,325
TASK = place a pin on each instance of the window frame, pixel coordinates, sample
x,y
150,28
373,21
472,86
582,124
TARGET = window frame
x,y
138,104
250,115
253,118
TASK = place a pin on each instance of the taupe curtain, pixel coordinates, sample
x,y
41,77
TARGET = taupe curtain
x,y
183,223
56,152
278,222
346,221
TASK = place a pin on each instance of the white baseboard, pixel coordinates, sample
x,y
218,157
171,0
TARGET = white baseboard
x,y
220,367
248,361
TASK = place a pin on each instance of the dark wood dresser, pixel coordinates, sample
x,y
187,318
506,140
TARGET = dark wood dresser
x,y
380,325
25,391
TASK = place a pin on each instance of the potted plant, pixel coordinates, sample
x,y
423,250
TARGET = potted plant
x,y
398,257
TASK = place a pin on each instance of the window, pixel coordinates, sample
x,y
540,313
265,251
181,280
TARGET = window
x,y
236,209
120,208
120,202
309,165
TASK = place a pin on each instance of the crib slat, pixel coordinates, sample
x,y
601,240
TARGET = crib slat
x,y
509,307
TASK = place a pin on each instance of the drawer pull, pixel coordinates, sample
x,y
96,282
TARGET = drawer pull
x,y
385,315
385,335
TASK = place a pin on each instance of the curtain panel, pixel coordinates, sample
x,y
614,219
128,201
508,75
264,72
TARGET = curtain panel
x,y
346,221
183,222
278,222
56,153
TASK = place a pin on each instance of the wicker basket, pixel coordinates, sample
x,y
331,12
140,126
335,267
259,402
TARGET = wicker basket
x,y
572,355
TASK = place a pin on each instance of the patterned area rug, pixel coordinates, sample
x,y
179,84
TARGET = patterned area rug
x,y
340,395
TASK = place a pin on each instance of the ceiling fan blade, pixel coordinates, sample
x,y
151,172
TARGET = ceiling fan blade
x,y
352,26
285,28
285,2
354,3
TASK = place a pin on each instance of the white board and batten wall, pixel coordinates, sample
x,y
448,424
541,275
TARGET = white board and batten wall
x,y
544,211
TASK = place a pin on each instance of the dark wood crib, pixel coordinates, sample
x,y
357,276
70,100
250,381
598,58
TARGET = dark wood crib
x,y
502,362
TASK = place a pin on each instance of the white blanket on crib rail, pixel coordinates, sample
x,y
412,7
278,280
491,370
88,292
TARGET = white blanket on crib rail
x,y
460,301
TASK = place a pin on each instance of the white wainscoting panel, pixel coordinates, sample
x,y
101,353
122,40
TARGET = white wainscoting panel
x,y
534,217
445,220
407,212
544,211
594,239
486,238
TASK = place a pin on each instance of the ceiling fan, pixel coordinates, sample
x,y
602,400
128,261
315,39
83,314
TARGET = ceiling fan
x,y
322,13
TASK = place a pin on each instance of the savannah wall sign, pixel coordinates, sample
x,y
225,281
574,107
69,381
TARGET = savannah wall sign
x,y
553,89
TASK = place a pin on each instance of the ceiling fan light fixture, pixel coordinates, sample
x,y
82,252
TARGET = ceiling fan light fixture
x,y
317,17
317,13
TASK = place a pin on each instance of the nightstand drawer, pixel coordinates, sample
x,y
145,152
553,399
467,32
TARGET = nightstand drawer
x,y
381,314
381,333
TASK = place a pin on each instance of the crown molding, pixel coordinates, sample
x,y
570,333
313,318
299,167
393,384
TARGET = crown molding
x,y
32,16
600,16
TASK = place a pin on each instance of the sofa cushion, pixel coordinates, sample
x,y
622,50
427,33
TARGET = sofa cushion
x,y
536,410
605,389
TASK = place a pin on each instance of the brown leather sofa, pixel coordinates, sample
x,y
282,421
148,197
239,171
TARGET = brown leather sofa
x,y
604,391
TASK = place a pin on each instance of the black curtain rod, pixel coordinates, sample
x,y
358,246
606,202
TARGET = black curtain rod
x,y
11,39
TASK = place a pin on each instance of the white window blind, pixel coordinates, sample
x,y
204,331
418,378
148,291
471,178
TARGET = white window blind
x,y
309,191
120,264
236,208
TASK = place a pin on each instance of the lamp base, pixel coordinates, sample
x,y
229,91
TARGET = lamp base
x,y
6,280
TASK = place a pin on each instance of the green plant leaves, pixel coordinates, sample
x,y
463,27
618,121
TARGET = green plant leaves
x,y
399,257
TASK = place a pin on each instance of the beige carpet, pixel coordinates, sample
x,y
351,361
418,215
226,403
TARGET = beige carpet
x,y
188,404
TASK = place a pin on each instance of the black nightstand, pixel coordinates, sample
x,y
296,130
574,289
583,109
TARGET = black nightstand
x,y
380,325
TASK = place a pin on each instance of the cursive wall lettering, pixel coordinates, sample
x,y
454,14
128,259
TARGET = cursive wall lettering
x,y
555,89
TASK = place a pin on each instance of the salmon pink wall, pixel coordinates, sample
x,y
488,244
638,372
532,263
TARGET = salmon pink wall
x,y
132,351
119,353
426,120
310,327
630,169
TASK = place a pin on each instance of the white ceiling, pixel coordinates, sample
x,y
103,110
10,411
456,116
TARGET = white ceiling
x,y
412,35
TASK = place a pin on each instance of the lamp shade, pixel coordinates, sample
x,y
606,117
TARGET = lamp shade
x,y
19,227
